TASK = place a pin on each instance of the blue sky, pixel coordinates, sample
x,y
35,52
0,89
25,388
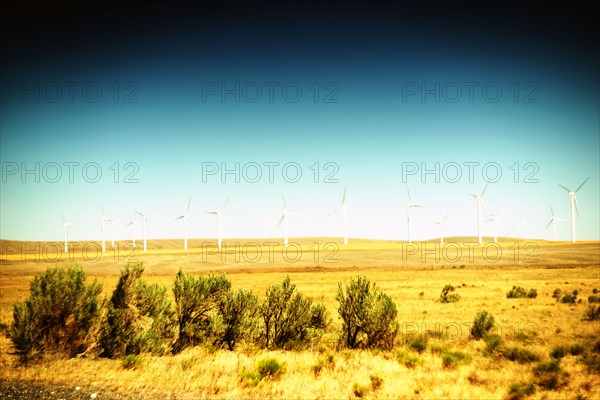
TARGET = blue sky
x,y
368,129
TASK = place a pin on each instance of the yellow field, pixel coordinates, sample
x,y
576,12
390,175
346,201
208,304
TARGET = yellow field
x,y
482,275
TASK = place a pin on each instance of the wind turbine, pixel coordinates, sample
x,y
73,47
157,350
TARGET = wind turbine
x,y
553,222
106,219
494,218
409,205
186,219
525,228
144,226
442,224
479,204
66,233
286,215
132,223
220,220
344,210
573,207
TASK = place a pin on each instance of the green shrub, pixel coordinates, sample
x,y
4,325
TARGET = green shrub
x,y
289,316
520,355
557,294
569,298
559,352
482,324
576,349
516,292
408,360
368,315
376,382
591,361
549,375
451,359
521,390
270,367
492,344
592,313
418,343
447,296
238,314
359,390
595,290
195,302
593,299
139,319
61,315
132,361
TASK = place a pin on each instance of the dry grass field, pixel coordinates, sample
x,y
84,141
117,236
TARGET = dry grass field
x,y
413,275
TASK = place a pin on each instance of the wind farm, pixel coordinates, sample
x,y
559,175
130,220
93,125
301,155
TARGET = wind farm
x,y
301,201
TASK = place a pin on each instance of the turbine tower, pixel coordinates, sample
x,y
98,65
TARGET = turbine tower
x,y
573,207
409,206
106,219
553,222
443,225
220,221
66,233
144,226
286,215
344,210
186,219
132,223
494,218
479,204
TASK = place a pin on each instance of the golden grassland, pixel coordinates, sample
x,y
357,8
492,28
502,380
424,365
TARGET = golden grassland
x,y
412,276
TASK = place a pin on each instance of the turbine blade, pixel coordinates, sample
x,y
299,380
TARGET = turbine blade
x,y
63,218
551,210
225,205
281,220
583,183
189,204
102,206
576,208
567,189
344,198
191,222
549,223
408,192
484,189
139,213
212,212
180,217
283,199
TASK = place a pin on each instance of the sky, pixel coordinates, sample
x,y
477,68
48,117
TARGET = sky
x,y
144,107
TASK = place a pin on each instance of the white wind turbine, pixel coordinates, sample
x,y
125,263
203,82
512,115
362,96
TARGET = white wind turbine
x,y
220,221
443,225
409,206
186,219
494,218
344,209
480,205
132,223
286,216
574,207
105,219
66,233
525,228
144,226
553,222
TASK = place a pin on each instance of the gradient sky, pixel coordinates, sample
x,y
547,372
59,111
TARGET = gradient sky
x,y
364,62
